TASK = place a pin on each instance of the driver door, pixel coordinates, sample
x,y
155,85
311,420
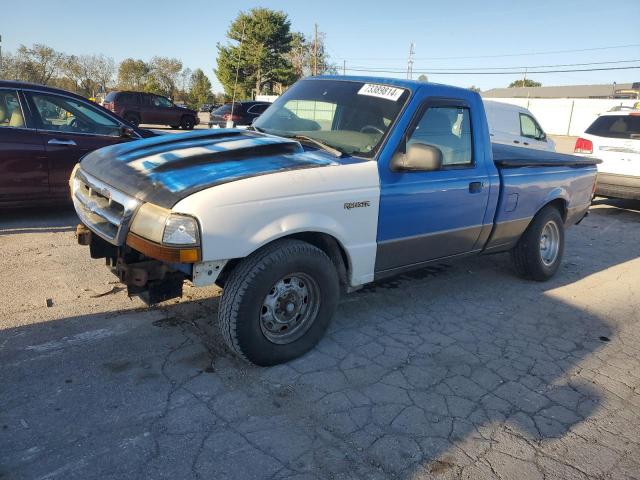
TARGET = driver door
x,y
69,128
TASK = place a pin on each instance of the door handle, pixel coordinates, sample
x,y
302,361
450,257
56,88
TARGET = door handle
x,y
475,187
526,143
55,141
516,141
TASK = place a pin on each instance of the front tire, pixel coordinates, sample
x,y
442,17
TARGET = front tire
x,y
538,253
278,302
187,123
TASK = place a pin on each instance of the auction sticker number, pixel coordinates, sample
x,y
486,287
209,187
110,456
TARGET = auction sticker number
x,y
381,91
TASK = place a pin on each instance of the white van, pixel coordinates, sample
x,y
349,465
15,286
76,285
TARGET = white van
x,y
514,125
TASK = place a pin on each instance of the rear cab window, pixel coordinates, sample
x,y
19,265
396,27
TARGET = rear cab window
x,y
616,126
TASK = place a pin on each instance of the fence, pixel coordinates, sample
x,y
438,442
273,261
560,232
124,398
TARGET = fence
x,y
565,116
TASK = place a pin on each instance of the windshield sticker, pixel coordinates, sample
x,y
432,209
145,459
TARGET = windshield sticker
x,y
381,91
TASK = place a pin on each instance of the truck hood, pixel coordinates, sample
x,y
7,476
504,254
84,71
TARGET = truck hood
x,y
165,169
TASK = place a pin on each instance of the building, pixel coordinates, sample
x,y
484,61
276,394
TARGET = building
x,y
612,90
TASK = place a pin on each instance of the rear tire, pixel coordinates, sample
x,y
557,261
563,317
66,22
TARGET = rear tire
x,y
538,253
175,127
278,302
133,119
187,123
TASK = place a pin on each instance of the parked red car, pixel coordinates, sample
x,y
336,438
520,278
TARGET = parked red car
x,y
44,132
139,107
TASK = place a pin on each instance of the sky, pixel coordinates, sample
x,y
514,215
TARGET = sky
x,y
462,34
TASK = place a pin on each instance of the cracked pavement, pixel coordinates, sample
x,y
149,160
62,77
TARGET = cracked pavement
x,y
460,370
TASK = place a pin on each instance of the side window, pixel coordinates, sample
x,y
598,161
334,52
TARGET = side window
x,y
161,102
10,111
529,127
258,109
64,114
449,129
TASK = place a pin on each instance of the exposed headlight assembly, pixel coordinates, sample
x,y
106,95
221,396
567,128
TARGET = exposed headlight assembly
x,y
167,236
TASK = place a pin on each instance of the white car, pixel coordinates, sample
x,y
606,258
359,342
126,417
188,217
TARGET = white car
x,y
614,138
514,125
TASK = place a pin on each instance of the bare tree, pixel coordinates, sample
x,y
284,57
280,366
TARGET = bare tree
x,y
38,64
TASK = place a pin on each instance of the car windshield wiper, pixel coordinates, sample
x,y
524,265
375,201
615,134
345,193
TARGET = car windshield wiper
x,y
327,148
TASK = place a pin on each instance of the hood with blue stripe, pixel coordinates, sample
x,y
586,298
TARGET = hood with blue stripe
x,y
165,169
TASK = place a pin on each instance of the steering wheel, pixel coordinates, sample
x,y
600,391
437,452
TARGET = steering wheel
x,y
371,129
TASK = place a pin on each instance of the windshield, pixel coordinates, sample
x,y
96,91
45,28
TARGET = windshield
x,y
352,117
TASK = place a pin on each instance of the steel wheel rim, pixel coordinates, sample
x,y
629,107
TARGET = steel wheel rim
x,y
289,308
549,243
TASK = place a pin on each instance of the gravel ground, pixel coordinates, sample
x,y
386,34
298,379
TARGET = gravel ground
x,y
457,371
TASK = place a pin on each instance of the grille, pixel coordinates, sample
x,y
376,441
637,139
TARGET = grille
x,y
104,210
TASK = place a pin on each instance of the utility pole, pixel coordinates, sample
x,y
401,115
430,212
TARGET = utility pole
x,y
344,67
410,62
315,49
524,77
0,56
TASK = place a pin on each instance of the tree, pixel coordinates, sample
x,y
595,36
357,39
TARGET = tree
x,y
104,69
423,78
133,74
263,39
166,73
303,54
38,64
524,83
473,88
89,74
200,91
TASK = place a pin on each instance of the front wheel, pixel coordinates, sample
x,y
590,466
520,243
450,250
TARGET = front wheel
x,y
538,253
187,123
278,302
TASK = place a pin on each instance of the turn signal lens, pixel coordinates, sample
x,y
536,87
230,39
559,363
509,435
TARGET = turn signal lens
x,y
163,253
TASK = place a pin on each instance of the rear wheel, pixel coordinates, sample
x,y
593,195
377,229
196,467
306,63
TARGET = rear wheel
x,y
175,127
538,253
132,118
187,123
278,302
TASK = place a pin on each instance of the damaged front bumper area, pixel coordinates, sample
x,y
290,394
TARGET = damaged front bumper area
x,y
152,280
150,270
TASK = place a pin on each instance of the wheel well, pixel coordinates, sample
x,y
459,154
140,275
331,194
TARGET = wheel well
x,y
325,242
560,205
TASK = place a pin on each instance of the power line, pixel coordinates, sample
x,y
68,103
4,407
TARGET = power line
x,y
521,67
528,72
548,52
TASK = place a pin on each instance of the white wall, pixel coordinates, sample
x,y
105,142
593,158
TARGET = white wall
x,y
565,116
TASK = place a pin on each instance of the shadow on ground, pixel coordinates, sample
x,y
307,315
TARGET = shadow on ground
x,y
445,372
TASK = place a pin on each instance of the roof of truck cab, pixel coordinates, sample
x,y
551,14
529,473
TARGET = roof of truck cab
x,y
396,82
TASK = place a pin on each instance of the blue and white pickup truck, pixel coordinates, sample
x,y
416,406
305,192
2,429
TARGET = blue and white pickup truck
x,y
342,181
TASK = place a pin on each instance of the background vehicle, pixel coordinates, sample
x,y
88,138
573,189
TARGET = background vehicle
x,y
244,113
368,178
614,138
44,131
139,107
515,125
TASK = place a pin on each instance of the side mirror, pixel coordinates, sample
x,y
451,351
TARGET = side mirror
x,y
127,132
419,157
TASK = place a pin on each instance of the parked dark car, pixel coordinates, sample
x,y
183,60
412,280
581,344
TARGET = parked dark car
x,y
139,107
44,131
243,113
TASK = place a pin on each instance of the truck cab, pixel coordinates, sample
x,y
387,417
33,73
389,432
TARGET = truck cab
x,y
342,181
